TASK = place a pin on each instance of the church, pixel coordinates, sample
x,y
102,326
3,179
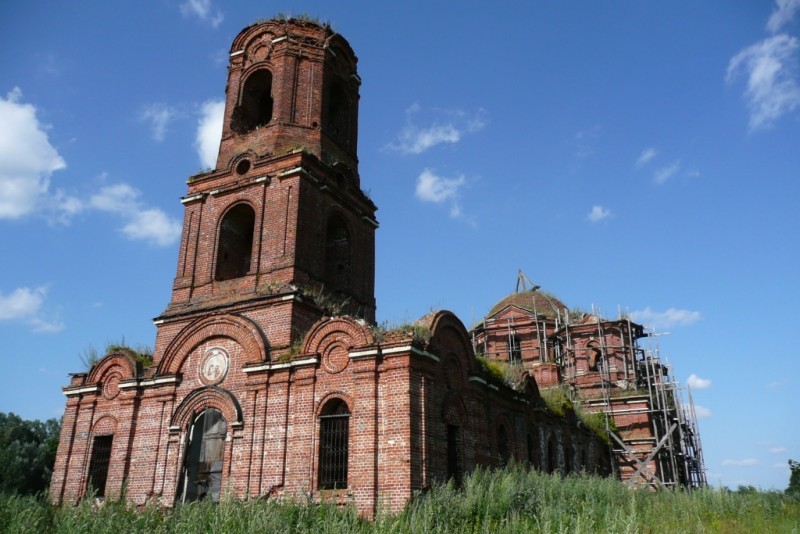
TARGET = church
x,y
269,376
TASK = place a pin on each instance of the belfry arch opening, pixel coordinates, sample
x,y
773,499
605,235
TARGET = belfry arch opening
x,y
338,245
235,243
205,453
338,113
255,103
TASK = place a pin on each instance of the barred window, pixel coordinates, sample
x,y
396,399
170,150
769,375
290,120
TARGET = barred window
x,y
334,436
98,465
514,350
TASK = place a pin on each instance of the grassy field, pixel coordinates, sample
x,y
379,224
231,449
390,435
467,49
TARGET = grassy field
x,y
510,500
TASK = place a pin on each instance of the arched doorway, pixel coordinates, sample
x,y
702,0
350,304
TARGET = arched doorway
x,y
205,451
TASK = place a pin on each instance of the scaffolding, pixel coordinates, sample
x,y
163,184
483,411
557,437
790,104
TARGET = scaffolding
x,y
672,455
650,417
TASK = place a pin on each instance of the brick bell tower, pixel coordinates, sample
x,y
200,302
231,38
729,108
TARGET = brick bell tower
x,y
280,231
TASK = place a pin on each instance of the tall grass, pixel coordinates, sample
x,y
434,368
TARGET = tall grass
x,y
509,500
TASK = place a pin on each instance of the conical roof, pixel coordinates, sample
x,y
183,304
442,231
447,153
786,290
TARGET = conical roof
x,y
534,301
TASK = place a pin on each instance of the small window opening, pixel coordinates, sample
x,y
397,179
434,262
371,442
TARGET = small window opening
x,y
98,465
202,474
242,167
567,459
337,254
334,438
533,453
453,463
255,103
503,449
514,349
235,244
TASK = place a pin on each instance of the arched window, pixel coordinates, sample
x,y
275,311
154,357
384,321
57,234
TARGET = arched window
x,y
255,103
503,449
337,254
98,465
205,452
334,438
235,244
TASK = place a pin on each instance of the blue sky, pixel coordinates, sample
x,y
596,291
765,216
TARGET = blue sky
x,y
640,156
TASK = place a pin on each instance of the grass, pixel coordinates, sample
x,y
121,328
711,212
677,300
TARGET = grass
x,y
513,499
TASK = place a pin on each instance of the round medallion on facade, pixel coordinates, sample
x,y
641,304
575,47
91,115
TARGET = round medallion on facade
x,y
335,358
214,366
111,385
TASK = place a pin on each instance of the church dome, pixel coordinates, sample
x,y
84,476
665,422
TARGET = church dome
x,y
535,301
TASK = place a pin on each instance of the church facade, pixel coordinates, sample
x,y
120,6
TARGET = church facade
x,y
269,376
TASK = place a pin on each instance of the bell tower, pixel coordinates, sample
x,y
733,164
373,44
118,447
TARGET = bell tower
x,y
281,222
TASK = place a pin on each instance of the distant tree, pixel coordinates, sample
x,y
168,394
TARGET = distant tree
x,y
794,479
27,453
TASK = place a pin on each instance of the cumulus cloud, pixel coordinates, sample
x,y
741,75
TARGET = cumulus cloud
x,y
158,116
665,173
598,213
695,382
701,412
140,222
447,126
645,157
783,14
439,189
749,462
27,159
665,319
204,10
25,304
772,88
209,132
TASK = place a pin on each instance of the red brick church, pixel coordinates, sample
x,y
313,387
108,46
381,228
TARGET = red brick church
x,y
269,376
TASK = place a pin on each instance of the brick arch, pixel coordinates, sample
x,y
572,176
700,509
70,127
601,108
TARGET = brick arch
x,y
530,388
341,330
453,372
207,397
454,411
240,329
119,361
503,422
335,395
449,334
104,426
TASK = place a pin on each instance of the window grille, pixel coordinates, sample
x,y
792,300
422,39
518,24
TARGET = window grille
x,y
98,466
334,437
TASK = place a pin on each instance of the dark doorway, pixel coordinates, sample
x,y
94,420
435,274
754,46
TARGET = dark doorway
x,y
453,463
202,473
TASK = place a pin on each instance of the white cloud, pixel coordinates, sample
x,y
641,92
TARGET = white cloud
x,y
433,188
26,304
448,127
695,382
778,450
772,86
784,13
153,225
598,213
665,319
645,157
665,173
741,463
158,116
438,189
209,132
776,384
203,10
27,159
140,222
701,412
